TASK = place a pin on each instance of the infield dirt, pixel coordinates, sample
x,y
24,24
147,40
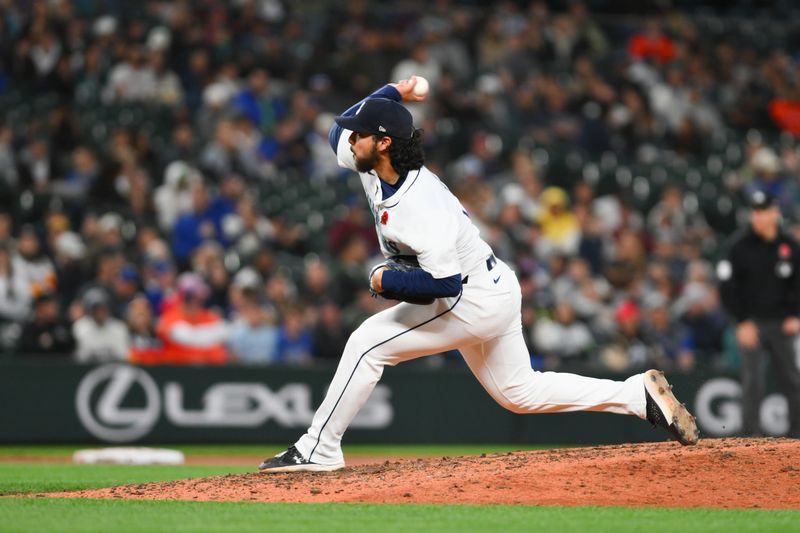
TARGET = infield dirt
x,y
716,473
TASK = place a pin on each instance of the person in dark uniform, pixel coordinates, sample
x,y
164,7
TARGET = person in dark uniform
x,y
47,333
760,288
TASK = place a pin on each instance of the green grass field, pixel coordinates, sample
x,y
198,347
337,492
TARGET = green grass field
x,y
408,450
20,513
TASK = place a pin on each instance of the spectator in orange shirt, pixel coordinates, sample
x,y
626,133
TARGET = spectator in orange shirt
x,y
192,334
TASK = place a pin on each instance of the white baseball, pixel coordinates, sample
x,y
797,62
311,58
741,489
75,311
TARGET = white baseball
x,y
422,86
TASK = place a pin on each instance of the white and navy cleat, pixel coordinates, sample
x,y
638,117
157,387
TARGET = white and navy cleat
x,y
293,461
664,409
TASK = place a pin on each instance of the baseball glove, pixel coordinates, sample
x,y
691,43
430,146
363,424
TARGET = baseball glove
x,y
400,264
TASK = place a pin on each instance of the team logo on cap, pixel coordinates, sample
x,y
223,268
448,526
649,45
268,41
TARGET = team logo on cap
x,y
381,129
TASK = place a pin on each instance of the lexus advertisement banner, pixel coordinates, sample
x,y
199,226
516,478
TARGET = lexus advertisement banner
x,y
119,403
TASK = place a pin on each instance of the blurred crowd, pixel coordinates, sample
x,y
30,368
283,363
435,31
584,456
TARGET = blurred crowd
x,y
141,141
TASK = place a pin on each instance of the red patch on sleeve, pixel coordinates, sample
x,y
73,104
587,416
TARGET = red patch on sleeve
x,y
384,217
784,251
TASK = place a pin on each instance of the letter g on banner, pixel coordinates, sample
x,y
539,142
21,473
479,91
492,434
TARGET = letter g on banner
x,y
99,404
718,407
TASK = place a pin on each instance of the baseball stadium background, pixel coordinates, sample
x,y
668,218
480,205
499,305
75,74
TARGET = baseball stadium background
x,y
154,152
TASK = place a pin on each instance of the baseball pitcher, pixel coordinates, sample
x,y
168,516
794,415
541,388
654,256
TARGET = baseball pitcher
x,y
455,294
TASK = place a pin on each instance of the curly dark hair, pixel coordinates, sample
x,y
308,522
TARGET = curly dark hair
x,y
407,154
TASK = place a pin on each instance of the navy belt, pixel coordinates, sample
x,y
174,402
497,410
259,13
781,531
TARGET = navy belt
x,y
491,262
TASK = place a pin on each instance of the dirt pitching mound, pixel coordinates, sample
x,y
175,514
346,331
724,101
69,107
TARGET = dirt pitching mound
x,y
721,473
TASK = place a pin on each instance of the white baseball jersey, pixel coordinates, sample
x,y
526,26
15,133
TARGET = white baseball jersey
x,y
422,218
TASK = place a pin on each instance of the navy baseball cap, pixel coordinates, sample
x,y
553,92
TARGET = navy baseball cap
x,y
380,116
760,200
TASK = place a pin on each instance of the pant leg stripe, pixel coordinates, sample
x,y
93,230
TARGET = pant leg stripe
x,y
362,357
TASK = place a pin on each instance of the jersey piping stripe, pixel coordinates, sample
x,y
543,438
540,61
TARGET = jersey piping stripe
x,y
407,188
310,455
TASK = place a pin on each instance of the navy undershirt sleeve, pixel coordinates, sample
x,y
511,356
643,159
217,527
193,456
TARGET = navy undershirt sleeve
x,y
387,91
421,284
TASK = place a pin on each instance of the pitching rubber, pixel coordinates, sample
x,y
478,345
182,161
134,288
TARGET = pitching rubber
x,y
680,418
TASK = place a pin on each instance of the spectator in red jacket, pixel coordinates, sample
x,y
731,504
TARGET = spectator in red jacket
x,y
191,333
652,43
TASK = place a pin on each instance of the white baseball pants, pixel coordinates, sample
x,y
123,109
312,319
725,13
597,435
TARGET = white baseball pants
x,y
484,323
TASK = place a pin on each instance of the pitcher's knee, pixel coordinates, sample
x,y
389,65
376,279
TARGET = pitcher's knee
x,y
515,407
354,347
511,406
514,402
362,344
517,397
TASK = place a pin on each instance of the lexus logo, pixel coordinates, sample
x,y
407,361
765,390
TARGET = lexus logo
x,y
110,421
103,391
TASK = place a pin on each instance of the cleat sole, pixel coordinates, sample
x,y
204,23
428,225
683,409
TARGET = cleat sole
x,y
683,425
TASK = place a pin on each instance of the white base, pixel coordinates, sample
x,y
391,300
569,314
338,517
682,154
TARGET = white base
x,y
129,456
